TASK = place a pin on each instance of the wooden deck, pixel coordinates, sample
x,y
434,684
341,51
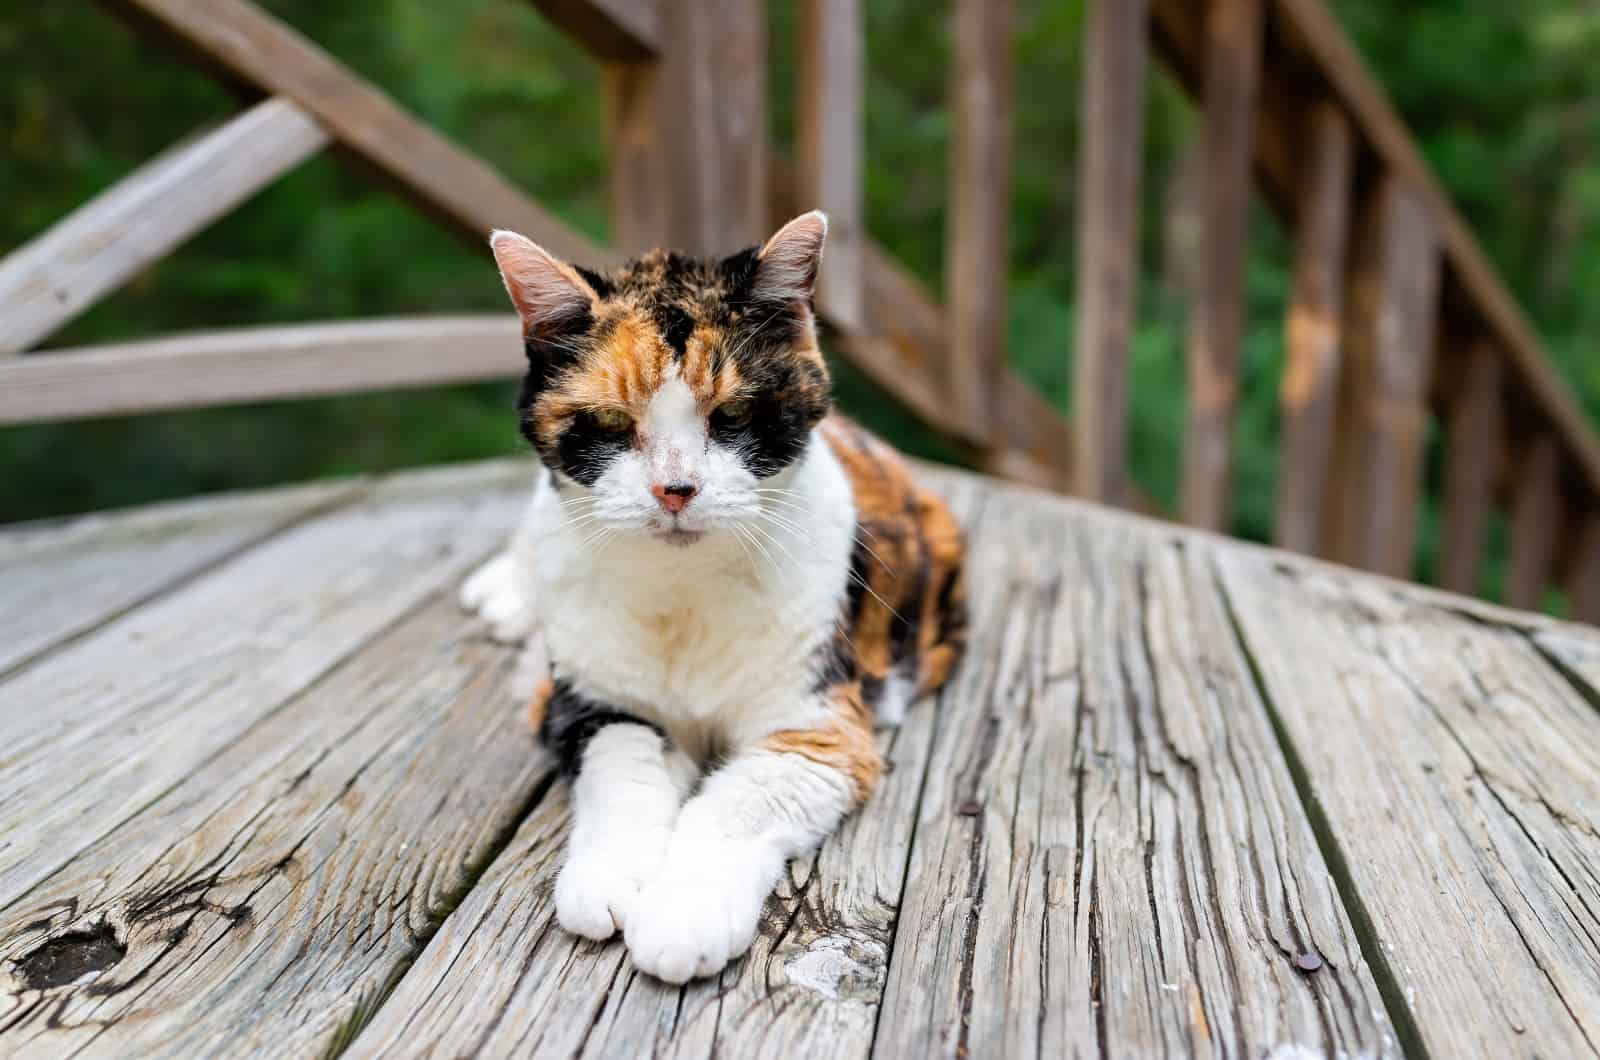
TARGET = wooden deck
x,y
264,792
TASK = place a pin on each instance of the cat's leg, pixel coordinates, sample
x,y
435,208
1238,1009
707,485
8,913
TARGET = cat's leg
x,y
773,801
626,794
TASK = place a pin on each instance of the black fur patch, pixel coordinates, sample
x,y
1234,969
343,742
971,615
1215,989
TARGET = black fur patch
x,y
570,722
585,449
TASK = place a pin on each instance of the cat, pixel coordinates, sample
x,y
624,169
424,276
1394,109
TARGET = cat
x,y
722,585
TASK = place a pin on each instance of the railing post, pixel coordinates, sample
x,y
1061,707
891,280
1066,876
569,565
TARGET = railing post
x,y
1474,448
980,197
829,146
1583,579
1310,389
1109,155
1535,523
688,132
1389,327
1233,37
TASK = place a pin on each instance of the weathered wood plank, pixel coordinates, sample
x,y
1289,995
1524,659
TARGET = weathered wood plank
x,y
1388,365
61,580
830,141
1216,318
465,192
501,978
1109,168
143,701
1457,778
980,207
1576,653
1110,856
1313,339
259,364
1535,524
614,30
143,217
265,902
1474,449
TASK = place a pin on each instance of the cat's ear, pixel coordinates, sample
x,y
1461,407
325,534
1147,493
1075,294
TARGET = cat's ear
x,y
550,295
786,267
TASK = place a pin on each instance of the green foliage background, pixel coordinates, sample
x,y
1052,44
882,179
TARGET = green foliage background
x,y
1504,98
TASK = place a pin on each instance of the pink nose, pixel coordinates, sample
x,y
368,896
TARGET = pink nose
x,y
674,496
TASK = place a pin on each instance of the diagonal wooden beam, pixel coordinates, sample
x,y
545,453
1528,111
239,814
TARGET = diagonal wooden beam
x,y
610,30
143,217
441,177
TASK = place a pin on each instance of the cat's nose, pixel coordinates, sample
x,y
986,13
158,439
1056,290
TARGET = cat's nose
x,y
674,496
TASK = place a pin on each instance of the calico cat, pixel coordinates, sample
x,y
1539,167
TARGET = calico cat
x,y
722,586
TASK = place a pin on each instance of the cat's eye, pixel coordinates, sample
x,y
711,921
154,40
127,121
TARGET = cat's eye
x,y
614,420
736,411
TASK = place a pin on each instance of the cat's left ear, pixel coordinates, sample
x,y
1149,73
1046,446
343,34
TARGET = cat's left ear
x,y
786,267
551,296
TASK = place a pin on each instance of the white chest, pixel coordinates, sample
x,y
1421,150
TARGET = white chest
x,y
718,642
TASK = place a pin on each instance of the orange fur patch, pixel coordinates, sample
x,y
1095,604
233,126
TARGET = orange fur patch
x,y
912,551
845,743
540,703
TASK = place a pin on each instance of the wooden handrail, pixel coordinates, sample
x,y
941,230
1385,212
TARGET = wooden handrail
x,y
1395,316
267,56
145,216
258,364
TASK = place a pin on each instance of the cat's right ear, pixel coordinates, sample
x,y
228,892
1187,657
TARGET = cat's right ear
x,y
551,296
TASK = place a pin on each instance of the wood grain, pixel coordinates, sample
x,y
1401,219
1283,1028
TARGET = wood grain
x,y
830,142
1110,856
976,266
259,364
1456,776
251,47
1313,337
1535,524
1390,321
59,581
1232,71
1109,169
1474,453
144,700
144,216
264,904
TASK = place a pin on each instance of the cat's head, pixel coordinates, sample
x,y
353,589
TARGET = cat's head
x,y
672,390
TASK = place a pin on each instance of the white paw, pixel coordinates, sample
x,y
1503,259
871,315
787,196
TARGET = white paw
x,y
498,593
684,926
597,888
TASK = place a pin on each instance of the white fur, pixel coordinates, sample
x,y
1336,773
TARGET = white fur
x,y
718,643
625,801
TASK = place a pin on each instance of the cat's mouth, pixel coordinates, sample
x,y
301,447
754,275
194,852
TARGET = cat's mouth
x,y
682,538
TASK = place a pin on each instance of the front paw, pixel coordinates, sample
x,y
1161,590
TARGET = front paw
x,y
498,592
681,926
597,887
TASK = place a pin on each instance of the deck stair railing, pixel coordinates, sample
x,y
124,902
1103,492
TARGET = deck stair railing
x,y
1396,317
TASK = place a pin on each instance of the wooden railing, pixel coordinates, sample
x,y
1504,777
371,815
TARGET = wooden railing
x,y
1396,318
